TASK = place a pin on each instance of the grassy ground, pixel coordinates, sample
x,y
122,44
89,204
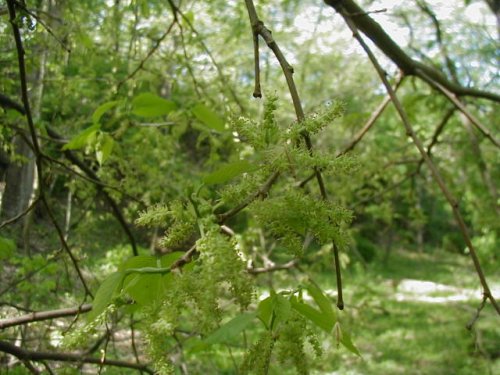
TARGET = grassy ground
x,y
397,333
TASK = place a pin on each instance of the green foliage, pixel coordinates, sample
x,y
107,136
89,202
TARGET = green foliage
x,y
150,105
168,125
228,172
208,117
7,248
291,216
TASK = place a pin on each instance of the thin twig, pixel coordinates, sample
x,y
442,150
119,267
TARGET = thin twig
x,y
391,49
277,267
20,215
477,313
460,106
45,26
147,57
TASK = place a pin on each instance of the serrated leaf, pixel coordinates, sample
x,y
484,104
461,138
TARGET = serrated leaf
x,y
7,248
208,117
102,109
82,139
104,148
315,316
323,302
228,331
105,294
228,171
150,105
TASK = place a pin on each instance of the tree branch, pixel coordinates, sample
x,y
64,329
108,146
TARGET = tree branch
x,y
38,356
346,8
43,315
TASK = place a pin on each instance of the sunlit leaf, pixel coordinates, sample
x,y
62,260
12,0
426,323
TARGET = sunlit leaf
x,y
317,317
321,300
82,139
104,148
105,294
102,109
150,105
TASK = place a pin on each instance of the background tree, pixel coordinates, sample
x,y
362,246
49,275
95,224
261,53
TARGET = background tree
x,y
178,223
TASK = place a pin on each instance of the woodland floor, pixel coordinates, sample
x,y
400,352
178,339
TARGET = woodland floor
x,y
409,316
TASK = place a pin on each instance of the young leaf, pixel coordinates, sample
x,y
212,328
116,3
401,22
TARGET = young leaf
x,y
104,148
143,288
102,109
208,117
348,344
139,261
321,300
228,172
321,320
105,294
150,105
82,139
265,311
341,336
168,259
225,333
281,309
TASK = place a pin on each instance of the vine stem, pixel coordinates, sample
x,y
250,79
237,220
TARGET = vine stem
x,y
434,171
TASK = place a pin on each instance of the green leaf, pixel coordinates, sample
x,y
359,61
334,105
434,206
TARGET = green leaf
x,y
265,311
150,105
139,261
7,248
208,117
145,289
228,331
321,320
105,294
228,171
168,259
348,344
82,139
281,309
341,336
104,148
102,109
321,300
